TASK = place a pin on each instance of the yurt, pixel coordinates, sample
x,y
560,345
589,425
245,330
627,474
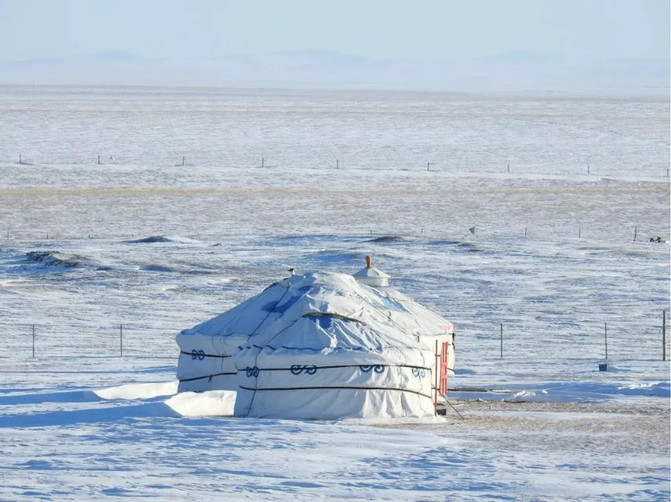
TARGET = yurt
x,y
323,346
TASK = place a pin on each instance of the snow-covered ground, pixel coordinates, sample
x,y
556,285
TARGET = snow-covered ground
x,y
99,260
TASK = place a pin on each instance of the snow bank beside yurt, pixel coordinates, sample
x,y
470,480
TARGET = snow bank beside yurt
x,y
319,346
214,403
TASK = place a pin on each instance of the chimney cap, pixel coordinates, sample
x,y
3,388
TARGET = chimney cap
x,y
372,276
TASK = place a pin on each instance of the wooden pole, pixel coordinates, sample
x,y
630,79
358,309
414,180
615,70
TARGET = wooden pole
x,y
183,160
337,165
635,233
20,159
98,159
501,340
435,381
33,341
120,340
525,231
262,161
605,335
579,232
663,335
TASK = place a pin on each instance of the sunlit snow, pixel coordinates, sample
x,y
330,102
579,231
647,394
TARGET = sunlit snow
x,y
525,221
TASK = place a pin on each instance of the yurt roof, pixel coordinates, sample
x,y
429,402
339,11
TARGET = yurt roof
x,y
285,302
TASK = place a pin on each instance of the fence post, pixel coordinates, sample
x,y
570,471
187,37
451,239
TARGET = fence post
x,y
120,340
605,334
663,335
33,341
501,340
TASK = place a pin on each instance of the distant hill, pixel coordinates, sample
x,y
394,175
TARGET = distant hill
x,y
511,71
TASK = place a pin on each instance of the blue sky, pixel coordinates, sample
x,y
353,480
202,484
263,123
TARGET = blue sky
x,y
417,30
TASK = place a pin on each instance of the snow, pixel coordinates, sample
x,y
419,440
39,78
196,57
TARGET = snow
x,y
213,403
138,391
146,248
320,346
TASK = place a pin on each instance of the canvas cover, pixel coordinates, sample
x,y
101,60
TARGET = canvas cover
x,y
319,346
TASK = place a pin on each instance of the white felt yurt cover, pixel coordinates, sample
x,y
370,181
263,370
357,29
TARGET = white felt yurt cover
x,y
319,346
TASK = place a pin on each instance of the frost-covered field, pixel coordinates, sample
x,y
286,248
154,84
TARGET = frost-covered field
x,y
524,223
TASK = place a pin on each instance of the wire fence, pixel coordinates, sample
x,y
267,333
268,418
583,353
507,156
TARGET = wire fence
x,y
600,341
640,234
505,340
522,169
45,340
